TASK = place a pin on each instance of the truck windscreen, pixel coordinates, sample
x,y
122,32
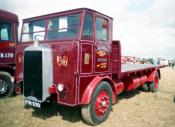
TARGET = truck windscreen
x,y
5,32
56,28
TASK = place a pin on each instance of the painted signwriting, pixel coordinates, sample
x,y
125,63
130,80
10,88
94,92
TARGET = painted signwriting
x,y
62,61
6,55
102,65
101,59
101,53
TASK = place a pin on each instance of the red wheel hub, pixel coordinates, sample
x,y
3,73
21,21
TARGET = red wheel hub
x,y
156,81
102,103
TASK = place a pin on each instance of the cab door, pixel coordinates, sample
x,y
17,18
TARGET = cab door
x,y
102,45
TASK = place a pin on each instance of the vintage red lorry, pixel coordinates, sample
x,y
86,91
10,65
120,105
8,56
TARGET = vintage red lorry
x,y
8,40
74,62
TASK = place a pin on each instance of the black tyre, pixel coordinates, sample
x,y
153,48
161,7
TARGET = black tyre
x,y
153,86
144,87
6,85
100,105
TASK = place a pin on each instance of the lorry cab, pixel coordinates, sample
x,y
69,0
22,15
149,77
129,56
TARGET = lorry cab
x,y
8,40
80,42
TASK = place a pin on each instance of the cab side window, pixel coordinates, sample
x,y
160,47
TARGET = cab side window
x,y
101,29
88,27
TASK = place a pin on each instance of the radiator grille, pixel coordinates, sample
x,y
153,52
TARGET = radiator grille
x,y
33,74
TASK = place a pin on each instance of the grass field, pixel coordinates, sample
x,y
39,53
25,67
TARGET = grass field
x,y
134,109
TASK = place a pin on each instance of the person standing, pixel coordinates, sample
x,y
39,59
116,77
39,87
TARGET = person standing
x,y
173,64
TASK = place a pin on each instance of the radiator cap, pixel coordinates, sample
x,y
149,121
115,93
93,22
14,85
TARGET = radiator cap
x,y
35,43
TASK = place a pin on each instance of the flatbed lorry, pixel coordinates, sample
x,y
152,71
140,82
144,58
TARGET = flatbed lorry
x,y
8,39
73,61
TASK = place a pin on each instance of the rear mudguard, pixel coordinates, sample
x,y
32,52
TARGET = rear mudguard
x,y
92,86
151,77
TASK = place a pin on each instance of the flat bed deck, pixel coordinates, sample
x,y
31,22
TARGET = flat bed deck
x,y
129,68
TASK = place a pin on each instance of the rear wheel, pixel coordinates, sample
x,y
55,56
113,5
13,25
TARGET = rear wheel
x,y
100,106
6,85
153,86
144,87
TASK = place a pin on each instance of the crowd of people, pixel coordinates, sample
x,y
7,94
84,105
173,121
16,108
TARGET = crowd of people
x,y
158,61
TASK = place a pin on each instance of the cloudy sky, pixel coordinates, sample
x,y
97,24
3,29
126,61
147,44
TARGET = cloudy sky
x,y
146,28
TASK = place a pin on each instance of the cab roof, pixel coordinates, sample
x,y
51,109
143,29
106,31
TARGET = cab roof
x,y
8,16
63,13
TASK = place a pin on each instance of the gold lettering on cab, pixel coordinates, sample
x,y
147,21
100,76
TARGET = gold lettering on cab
x,y
62,61
102,65
101,53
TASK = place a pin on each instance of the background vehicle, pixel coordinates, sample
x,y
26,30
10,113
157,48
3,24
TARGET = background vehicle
x,y
8,40
76,62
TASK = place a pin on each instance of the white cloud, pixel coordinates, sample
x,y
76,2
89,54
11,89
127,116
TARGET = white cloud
x,y
148,32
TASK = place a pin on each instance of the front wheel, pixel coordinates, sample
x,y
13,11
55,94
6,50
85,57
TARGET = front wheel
x,y
6,85
100,105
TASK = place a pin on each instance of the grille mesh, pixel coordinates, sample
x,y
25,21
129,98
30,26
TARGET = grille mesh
x,y
33,74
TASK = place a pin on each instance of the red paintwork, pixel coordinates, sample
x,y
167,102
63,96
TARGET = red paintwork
x,y
80,64
91,87
7,48
18,89
102,103
116,58
8,17
156,82
119,88
19,61
7,51
86,68
152,75
6,44
66,74
52,89
134,82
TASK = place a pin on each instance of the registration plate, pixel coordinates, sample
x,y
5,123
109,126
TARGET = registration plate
x,y
32,103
